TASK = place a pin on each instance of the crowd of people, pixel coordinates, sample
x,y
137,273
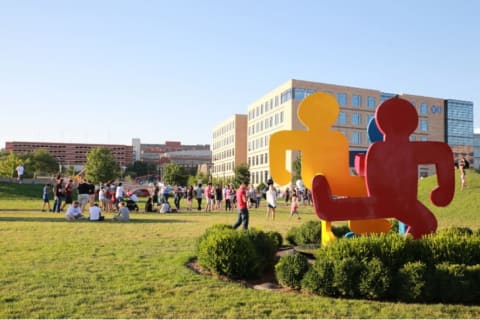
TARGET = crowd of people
x,y
113,197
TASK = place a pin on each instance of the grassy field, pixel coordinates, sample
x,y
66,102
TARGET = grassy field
x,y
52,268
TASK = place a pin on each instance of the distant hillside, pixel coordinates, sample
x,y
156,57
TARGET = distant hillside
x,y
464,210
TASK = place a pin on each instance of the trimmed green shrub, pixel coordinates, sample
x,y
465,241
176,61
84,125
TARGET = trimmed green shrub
x,y
308,233
319,279
291,269
411,282
276,238
455,246
292,236
230,253
374,280
346,276
265,248
457,283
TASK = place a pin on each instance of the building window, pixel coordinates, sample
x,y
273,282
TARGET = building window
x,y
276,101
423,125
356,119
423,108
356,100
342,99
342,118
371,102
309,92
356,137
281,117
298,93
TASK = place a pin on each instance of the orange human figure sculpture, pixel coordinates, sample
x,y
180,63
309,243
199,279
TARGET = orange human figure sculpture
x,y
325,152
392,176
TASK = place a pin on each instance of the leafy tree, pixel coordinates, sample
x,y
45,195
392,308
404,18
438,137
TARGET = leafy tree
x,y
199,178
140,168
101,165
42,162
242,174
174,174
8,163
297,169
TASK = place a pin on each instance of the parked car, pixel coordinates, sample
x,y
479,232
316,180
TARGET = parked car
x,y
141,192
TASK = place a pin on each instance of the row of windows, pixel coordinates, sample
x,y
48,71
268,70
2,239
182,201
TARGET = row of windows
x,y
264,107
256,177
258,160
228,166
356,120
224,154
267,123
224,129
258,143
228,140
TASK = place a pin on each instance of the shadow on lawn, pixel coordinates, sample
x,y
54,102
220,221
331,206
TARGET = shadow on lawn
x,y
61,218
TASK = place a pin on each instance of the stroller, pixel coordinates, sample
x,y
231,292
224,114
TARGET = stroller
x,y
131,205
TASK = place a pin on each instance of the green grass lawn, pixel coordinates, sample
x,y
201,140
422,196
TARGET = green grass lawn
x,y
51,268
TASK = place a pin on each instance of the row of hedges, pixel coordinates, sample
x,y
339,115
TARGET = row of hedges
x,y
238,255
310,233
444,267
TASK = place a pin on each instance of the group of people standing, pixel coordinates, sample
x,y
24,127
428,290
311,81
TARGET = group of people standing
x,y
110,196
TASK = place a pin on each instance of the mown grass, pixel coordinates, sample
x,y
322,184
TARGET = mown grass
x,y
51,268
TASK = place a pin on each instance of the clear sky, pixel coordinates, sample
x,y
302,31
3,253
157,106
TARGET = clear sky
x,y
108,71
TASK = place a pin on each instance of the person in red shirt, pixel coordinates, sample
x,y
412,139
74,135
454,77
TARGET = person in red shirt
x,y
242,207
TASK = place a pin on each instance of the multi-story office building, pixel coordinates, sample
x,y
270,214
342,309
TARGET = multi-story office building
x,y
229,146
72,154
172,152
439,120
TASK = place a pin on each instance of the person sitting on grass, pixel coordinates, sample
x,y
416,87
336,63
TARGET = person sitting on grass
x,y
96,213
74,212
123,212
165,208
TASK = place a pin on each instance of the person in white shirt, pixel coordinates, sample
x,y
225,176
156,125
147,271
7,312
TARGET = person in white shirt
x,y
271,202
20,170
119,193
96,213
74,212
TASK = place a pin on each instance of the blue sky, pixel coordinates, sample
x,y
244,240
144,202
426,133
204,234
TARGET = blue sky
x,y
108,71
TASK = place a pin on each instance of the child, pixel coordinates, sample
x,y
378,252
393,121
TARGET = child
x,y
294,206
46,201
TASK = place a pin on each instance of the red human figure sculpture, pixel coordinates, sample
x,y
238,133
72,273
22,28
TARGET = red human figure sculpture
x,y
391,175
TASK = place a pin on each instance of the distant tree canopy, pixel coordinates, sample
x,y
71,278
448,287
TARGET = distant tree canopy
x,y
297,169
173,174
241,174
43,163
140,168
38,162
101,165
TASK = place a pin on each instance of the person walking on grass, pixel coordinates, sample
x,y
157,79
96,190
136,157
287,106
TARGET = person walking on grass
x,y
294,206
242,207
271,202
45,197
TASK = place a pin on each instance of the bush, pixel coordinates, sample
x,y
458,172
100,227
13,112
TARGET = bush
x,y
292,236
228,252
277,239
308,233
457,283
346,277
374,280
319,279
291,269
411,282
265,248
